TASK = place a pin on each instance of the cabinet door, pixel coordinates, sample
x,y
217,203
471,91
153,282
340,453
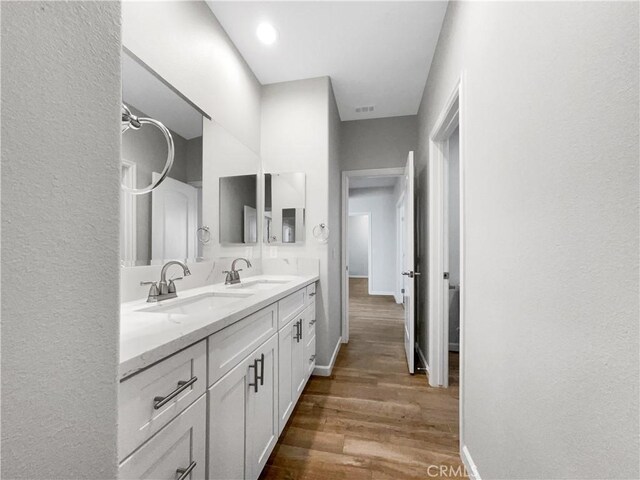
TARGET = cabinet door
x,y
227,418
176,450
286,389
298,365
262,407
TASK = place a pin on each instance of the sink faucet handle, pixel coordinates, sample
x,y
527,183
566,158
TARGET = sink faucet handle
x,y
172,286
153,290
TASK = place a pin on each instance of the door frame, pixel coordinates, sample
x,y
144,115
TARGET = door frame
x,y
346,175
398,294
452,116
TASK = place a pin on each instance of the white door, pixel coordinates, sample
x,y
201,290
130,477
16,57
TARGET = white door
x,y
174,221
227,419
262,408
408,265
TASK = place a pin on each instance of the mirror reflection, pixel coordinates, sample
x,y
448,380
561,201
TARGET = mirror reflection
x,y
239,209
165,224
284,208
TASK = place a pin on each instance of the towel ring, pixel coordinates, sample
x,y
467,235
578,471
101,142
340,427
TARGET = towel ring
x,y
204,235
321,232
135,123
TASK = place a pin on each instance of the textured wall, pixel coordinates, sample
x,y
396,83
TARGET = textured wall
x,y
377,143
550,368
60,176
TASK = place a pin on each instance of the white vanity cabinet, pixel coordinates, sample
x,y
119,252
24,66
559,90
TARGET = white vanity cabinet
x,y
243,416
215,409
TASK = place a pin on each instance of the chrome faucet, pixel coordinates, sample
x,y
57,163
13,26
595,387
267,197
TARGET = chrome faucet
x,y
163,290
233,275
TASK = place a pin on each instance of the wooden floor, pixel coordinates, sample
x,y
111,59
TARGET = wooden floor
x,y
371,419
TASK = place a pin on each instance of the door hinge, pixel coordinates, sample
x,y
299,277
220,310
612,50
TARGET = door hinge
x,y
446,275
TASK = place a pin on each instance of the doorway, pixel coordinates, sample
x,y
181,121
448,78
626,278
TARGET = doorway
x,y
446,243
373,248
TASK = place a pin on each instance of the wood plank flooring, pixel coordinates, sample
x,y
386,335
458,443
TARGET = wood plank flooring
x,y
371,420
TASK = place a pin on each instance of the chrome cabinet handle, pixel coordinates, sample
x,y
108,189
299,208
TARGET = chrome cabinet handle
x,y
312,322
312,358
299,330
256,376
184,472
182,386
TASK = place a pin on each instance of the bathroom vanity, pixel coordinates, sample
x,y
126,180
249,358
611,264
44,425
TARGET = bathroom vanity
x,y
208,380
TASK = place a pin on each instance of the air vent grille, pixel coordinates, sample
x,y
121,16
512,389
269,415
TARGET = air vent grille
x,y
365,109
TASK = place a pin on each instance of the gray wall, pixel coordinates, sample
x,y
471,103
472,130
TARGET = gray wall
x,y
550,151
380,202
377,143
60,225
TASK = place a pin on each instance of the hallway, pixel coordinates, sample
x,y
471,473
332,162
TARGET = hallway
x,y
370,419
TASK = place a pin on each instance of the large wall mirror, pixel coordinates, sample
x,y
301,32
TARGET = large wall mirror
x,y
165,224
239,209
284,208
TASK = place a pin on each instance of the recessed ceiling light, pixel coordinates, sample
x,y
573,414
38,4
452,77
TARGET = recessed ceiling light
x,y
266,33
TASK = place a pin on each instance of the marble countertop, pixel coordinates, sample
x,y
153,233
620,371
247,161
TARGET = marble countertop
x,y
146,337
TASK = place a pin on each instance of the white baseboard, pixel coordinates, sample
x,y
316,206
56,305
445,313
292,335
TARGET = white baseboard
x,y
422,358
454,347
325,370
358,276
469,464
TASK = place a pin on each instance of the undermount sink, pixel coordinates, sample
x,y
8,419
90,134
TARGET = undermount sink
x,y
260,284
198,304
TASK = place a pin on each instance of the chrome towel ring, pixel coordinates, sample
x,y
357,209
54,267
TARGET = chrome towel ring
x,y
321,232
135,123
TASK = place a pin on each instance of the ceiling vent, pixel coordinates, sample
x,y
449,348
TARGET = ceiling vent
x,y
366,109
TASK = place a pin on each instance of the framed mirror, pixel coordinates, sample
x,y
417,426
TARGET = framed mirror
x,y
165,224
284,208
239,209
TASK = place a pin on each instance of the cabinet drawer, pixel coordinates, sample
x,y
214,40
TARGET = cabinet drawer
x,y
311,293
228,347
291,306
140,412
310,356
309,321
177,447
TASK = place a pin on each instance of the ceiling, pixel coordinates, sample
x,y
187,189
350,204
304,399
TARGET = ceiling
x,y
142,90
376,53
373,182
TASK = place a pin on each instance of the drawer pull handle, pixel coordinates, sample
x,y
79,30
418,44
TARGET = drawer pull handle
x,y
312,294
312,321
182,386
312,357
184,472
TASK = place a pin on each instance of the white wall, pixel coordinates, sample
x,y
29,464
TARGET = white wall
x,y
358,245
60,225
550,150
299,135
380,202
204,65
186,45
377,143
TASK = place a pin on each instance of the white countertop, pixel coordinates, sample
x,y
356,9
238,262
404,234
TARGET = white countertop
x,y
146,338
